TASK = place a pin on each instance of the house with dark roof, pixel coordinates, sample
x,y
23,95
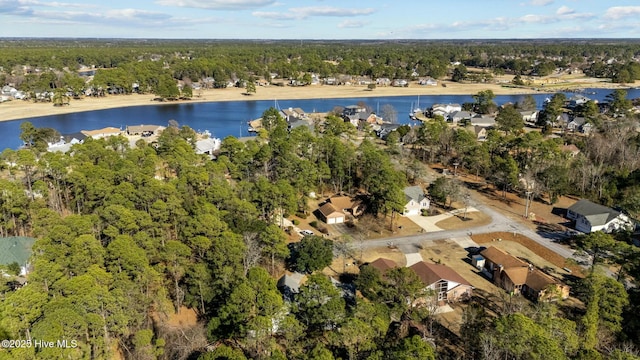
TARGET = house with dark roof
x,y
74,138
289,284
16,249
416,200
458,116
447,284
386,129
519,277
144,130
589,217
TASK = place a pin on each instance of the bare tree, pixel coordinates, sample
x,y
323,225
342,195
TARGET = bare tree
x,y
389,113
253,251
342,246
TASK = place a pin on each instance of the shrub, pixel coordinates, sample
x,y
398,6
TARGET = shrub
x,y
301,215
295,222
314,224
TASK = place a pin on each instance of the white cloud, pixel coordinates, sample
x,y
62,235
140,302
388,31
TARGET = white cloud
x,y
274,15
565,10
351,24
536,19
619,12
217,4
331,11
540,2
312,11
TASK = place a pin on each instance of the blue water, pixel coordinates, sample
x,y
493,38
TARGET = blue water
x,y
230,118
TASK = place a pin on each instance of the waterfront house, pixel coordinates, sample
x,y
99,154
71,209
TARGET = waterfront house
x,y
577,100
208,146
102,133
400,83
445,109
458,116
144,130
383,81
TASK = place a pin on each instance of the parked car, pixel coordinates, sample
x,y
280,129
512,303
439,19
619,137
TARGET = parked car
x,y
306,232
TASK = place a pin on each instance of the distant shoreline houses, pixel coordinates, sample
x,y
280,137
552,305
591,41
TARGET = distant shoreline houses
x,y
204,145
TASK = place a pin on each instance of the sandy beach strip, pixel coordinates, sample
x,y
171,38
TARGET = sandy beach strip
x,y
18,109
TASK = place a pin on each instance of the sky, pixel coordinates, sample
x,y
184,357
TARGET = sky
x,y
321,19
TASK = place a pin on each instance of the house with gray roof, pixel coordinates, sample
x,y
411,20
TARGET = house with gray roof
x,y
16,249
483,120
416,200
590,217
289,284
458,116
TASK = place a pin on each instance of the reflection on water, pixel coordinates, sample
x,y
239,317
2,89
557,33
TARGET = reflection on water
x,y
230,118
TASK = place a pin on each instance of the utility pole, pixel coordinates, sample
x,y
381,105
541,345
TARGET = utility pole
x,y
466,206
526,207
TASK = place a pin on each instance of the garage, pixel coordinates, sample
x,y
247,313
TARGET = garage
x,y
330,215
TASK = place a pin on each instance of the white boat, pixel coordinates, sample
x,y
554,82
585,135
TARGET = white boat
x,y
417,108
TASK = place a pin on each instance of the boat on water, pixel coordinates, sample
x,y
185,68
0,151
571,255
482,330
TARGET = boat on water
x,y
415,110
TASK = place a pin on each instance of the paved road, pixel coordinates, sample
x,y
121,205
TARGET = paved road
x,y
499,222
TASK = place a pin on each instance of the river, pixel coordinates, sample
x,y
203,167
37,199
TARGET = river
x,y
230,118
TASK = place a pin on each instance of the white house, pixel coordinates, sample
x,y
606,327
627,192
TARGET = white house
x,y
530,116
102,133
208,146
590,217
445,109
416,200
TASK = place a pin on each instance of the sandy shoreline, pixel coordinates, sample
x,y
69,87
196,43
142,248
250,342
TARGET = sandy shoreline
x,y
17,109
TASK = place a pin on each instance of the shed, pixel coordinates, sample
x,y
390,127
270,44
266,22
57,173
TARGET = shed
x,y
477,261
